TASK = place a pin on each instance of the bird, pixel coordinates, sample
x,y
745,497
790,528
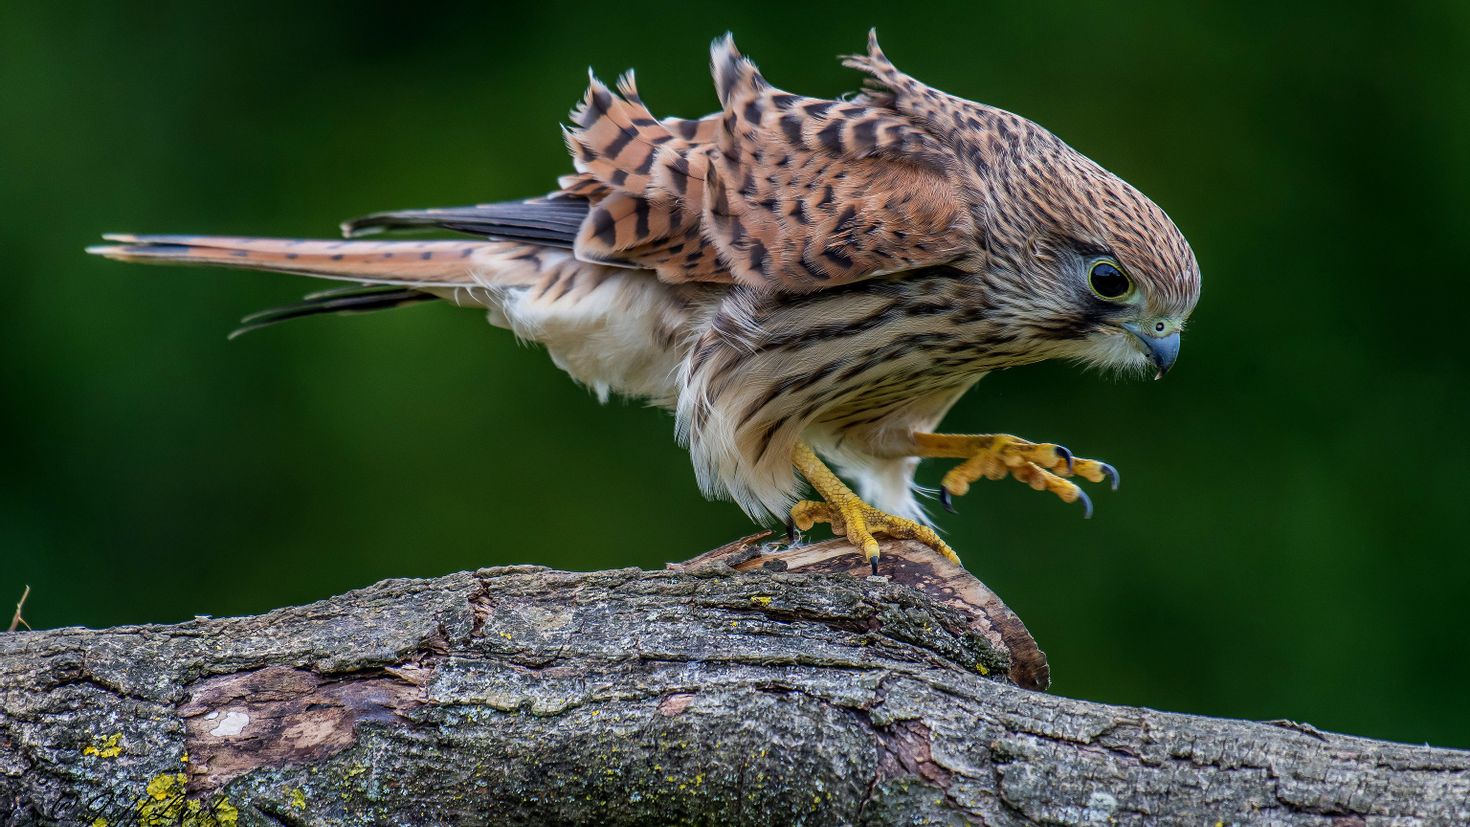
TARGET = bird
x,y
807,284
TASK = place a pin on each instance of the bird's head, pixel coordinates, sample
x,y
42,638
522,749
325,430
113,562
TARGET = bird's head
x,y
1101,274
1077,263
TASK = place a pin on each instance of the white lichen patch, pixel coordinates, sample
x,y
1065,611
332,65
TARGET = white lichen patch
x,y
233,722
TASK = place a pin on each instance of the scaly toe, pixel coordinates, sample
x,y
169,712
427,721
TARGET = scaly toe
x,y
905,529
860,523
808,513
1094,471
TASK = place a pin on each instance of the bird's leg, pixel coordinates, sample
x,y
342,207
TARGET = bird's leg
x,y
849,515
1041,465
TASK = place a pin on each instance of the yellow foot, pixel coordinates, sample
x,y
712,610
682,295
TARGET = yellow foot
x,y
849,515
858,521
1041,465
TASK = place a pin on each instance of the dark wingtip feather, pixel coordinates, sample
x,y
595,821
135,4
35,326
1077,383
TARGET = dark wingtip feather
x,y
342,301
551,222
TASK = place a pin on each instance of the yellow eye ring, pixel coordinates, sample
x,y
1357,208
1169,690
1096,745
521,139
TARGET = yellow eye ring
x,y
1108,281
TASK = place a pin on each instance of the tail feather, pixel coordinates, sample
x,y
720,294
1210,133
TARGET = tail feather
x,y
402,263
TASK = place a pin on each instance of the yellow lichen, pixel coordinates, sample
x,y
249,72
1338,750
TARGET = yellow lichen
x,y
761,600
981,668
167,784
226,814
506,635
356,770
99,821
298,798
104,747
167,804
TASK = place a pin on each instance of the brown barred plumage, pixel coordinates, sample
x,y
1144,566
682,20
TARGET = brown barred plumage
x,y
789,270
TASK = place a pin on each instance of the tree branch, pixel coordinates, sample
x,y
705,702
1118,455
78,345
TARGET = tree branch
x,y
747,686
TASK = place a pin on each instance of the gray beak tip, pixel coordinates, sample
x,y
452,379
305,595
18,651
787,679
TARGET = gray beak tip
x,y
1162,351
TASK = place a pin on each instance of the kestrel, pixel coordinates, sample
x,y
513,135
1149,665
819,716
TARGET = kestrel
x,y
800,280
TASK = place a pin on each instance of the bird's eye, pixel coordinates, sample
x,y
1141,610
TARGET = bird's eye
x,y
1108,281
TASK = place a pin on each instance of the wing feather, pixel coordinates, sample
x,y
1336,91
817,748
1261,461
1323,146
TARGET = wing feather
x,y
775,191
549,221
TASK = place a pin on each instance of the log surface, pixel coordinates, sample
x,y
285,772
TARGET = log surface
x,y
705,695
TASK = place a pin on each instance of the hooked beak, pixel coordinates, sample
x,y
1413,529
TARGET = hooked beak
x,y
1162,349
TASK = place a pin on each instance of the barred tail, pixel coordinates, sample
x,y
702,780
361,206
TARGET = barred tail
x,y
425,264
388,274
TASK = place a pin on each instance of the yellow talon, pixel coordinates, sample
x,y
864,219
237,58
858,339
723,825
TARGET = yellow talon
x,y
850,516
1043,466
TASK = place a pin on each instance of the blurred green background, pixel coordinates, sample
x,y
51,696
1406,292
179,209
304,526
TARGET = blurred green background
x,y
1289,541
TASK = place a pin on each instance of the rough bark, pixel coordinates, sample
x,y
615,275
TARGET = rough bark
x,y
742,688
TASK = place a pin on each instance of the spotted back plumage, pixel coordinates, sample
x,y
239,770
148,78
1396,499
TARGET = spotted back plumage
x,y
776,191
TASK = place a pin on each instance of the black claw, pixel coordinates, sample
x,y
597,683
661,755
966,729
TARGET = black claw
x,y
946,501
791,534
1066,455
874,561
1086,504
1112,474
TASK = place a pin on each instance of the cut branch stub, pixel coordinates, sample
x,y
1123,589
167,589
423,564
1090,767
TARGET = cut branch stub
x,y
909,564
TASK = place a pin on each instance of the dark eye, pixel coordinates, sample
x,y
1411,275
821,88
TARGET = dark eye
x,y
1109,282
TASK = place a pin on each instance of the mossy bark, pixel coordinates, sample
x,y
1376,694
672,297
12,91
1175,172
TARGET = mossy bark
x,y
705,694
